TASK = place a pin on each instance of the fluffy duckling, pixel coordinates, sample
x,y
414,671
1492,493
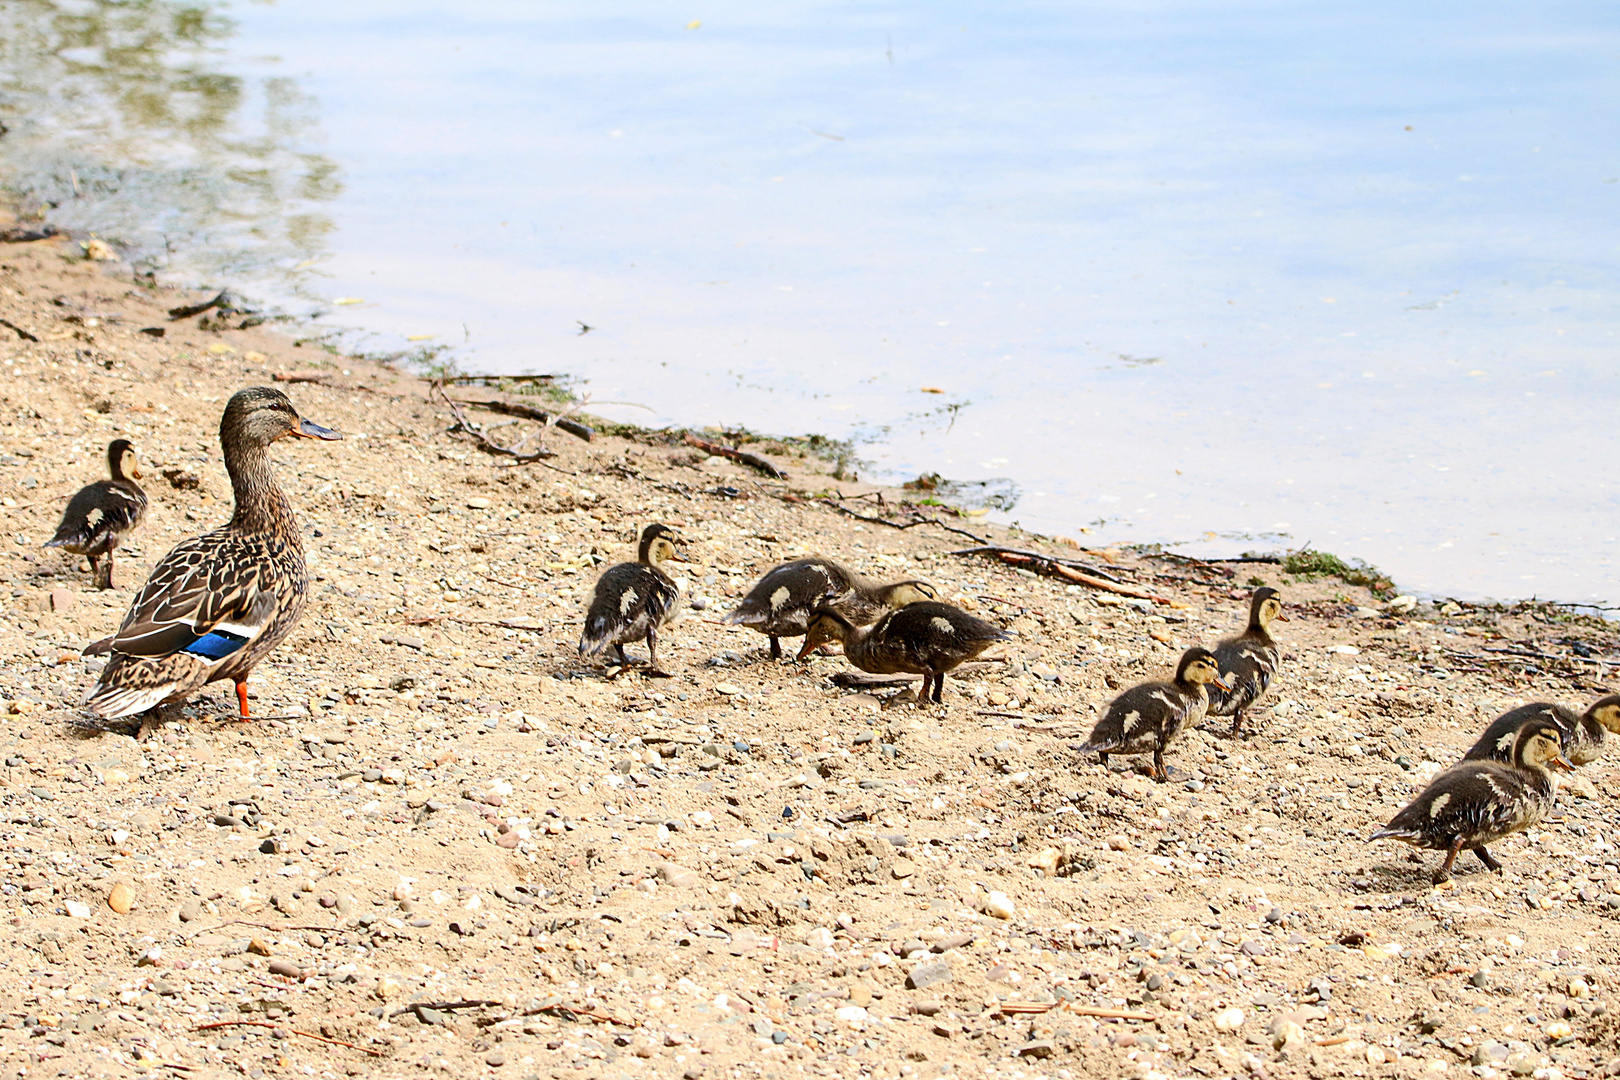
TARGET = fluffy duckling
x,y
99,517
781,604
632,600
1475,803
1584,735
1150,715
927,638
1249,661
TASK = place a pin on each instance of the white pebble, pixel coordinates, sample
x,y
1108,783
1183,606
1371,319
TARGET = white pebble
x,y
999,905
1229,1019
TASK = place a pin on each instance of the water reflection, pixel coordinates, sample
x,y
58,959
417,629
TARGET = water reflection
x,y
124,119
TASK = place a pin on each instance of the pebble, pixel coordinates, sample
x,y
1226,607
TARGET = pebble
x,y
932,973
494,1059
677,876
819,938
903,868
77,909
952,941
1229,1019
851,1014
997,905
286,968
121,898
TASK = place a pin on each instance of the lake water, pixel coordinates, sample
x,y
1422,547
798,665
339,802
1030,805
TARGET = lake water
x,y
1231,276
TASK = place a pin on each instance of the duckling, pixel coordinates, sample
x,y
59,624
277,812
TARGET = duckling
x,y
926,638
1584,735
1475,803
780,605
1249,661
1150,715
632,600
99,517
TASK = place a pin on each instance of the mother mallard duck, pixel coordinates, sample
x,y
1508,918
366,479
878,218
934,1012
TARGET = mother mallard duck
x,y
218,603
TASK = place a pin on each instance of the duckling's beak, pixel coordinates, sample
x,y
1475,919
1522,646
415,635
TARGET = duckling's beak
x,y
134,472
1280,617
1562,764
1221,684
308,429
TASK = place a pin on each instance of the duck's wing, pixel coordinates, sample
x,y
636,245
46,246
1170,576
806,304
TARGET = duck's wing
x,y
1134,719
205,598
96,512
1476,800
1247,666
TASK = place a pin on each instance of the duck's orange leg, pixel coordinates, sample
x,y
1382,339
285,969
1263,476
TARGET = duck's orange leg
x,y
241,696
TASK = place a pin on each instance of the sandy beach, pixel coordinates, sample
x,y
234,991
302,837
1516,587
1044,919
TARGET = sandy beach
x,y
449,848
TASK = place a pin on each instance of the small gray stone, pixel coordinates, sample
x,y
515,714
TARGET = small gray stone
x,y
929,974
952,941
286,968
190,911
494,1059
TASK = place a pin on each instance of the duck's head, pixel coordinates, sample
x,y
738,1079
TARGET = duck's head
x,y
902,593
657,544
121,460
1199,666
1606,711
1541,743
260,415
825,625
1266,605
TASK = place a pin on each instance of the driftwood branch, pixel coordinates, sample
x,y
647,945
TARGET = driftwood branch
x,y
530,412
1073,564
741,457
1051,567
482,441
188,310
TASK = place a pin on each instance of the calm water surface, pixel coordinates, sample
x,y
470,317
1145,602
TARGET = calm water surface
x,y
1232,276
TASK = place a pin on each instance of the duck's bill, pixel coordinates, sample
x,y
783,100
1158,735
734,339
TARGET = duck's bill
x,y
1280,617
1222,685
1562,763
808,649
308,429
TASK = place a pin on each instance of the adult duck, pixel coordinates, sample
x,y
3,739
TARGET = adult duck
x,y
220,602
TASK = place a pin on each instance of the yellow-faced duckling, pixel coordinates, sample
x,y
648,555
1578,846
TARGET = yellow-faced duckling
x,y
1249,661
99,517
780,605
218,603
1475,803
633,600
927,639
1147,717
1583,735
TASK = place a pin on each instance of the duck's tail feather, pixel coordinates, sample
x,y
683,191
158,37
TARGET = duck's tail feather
x,y
111,702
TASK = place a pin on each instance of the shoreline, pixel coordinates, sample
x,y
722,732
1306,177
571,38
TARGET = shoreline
x,y
459,845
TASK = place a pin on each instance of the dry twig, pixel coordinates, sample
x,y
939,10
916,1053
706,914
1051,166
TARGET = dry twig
x,y
741,457
293,1031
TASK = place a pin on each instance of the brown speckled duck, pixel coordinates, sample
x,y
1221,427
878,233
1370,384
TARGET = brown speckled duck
x,y
1475,803
633,600
1147,717
1249,661
781,604
99,517
1583,735
927,639
218,603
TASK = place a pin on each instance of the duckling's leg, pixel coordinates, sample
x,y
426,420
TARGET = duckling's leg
x,y
1443,874
1490,861
652,656
1102,756
1160,773
939,686
1237,724
624,660
776,647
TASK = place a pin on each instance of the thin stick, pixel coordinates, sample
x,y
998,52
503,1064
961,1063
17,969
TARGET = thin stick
x,y
1075,564
530,412
1108,1014
1043,564
295,1031
917,519
443,1006
428,620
